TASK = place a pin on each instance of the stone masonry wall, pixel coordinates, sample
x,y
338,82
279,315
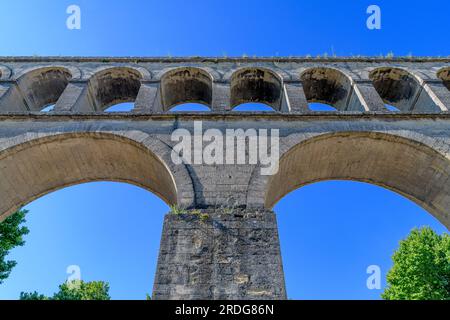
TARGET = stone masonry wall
x,y
220,254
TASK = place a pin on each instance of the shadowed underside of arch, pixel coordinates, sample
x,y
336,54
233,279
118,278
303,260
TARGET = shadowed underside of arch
x,y
407,167
35,168
256,85
114,85
186,85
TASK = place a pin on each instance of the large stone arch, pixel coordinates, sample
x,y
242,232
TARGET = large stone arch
x,y
36,164
406,166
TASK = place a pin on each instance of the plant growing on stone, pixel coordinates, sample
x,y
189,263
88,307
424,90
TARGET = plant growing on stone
x,y
195,212
204,217
174,209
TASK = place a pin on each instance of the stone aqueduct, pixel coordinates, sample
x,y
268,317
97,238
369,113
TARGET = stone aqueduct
x,y
235,254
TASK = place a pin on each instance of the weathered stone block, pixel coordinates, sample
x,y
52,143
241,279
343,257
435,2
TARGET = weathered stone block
x,y
236,256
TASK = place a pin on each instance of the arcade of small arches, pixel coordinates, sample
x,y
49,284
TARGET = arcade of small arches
x,y
78,89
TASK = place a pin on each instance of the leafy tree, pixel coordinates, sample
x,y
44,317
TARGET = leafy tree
x,y
421,269
11,236
74,290
80,290
32,296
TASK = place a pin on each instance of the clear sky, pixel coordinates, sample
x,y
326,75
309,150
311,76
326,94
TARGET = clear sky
x,y
330,231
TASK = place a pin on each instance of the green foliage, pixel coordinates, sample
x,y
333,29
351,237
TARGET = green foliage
x,y
79,290
194,212
75,290
174,209
32,296
421,269
11,236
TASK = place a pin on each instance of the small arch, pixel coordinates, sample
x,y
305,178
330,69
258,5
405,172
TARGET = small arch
x,y
186,85
43,86
444,75
75,72
5,72
253,107
321,107
120,107
113,86
327,86
190,107
391,108
397,87
256,85
49,108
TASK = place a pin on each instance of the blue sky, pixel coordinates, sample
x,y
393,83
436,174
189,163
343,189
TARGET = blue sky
x,y
330,231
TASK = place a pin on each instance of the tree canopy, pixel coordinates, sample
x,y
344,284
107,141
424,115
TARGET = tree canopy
x,y
11,236
421,269
74,290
